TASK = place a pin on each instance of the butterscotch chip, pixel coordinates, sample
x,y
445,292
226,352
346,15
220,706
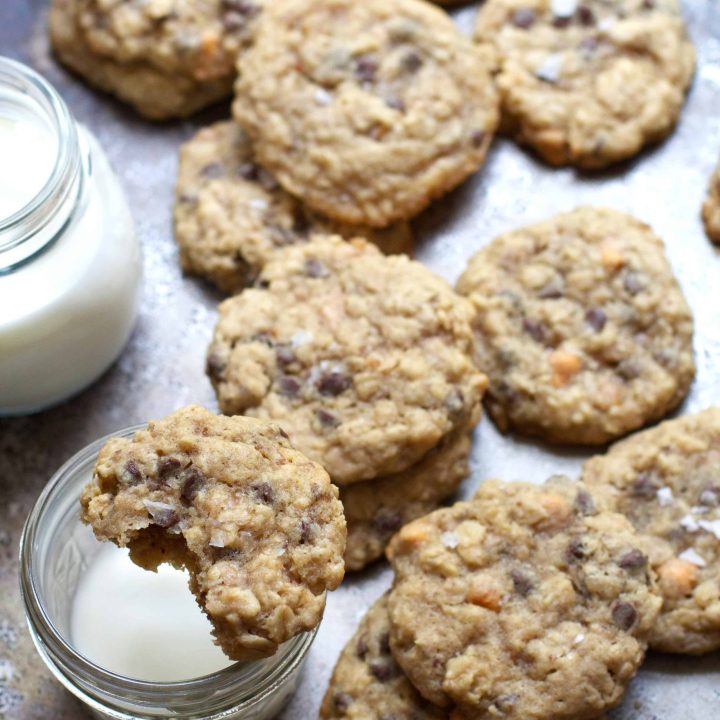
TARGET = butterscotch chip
x,y
364,359
667,482
588,82
367,682
503,611
231,216
258,526
711,207
167,58
579,348
366,110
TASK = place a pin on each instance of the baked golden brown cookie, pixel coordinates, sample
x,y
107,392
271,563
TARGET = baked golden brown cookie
x,y
711,207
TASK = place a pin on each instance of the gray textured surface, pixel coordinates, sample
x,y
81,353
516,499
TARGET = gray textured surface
x,y
162,367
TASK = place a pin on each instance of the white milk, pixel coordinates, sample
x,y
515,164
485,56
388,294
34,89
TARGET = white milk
x,y
141,624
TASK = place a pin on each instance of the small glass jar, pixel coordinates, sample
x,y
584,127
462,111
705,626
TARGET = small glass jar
x,y
56,549
69,257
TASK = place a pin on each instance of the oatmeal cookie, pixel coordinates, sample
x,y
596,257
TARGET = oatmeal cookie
x,y
667,482
364,359
367,683
711,207
588,82
366,110
258,525
231,215
167,58
376,509
581,326
529,602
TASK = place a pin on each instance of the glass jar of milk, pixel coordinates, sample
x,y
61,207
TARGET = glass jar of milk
x,y
127,642
69,258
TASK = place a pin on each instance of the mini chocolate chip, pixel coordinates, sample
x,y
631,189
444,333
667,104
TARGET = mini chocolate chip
x,y
576,549
288,386
361,649
536,329
411,62
327,419
383,670
477,138
585,15
384,644
263,491
164,518
285,354
522,583
628,369
387,522
193,484
648,4
553,290
248,171
584,502
188,198
561,21
213,171
214,366
342,701
314,268
596,319
305,532
244,7
624,615
643,486
333,383
633,559
633,282
365,69
167,466
395,103
523,18
133,471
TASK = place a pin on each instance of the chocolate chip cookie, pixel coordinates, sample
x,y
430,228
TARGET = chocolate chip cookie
x,y
366,110
367,683
231,215
527,602
581,326
258,526
667,482
364,359
167,58
376,509
711,207
588,82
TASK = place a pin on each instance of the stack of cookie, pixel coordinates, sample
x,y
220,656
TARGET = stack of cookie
x,y
526,602
365,360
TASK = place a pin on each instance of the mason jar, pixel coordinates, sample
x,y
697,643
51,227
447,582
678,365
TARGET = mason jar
x,y
56,549
69,256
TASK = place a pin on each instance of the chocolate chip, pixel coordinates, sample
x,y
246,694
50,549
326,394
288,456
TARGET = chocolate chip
x,y
585,15
477,138
333,383
244,7
648,4
633,282
263,491
167,466
284,354
384,644
523,18
643,486
327,419
624,615
584,503
193,484
248,171
522,583
342,701
576,549
314,268
133,471
596,319
411,62
214,366
561,21
628,369
361,649
536,329
288,386
633,559
383,670
387,521
213,170
164,518
365,69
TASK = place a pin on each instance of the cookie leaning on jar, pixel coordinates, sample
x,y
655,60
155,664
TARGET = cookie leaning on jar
x,y
365,360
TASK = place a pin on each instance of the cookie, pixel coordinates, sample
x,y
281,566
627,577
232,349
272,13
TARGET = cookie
x,y
588,82
366,110
367,683
376,509
231,215
711,207
527,602
167,58
364,359
258,526
581,326
667,482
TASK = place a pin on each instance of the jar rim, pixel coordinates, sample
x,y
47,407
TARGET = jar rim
x,y
55,649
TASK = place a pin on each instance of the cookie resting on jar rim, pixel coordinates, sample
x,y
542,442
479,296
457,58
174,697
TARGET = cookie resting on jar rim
x,y
69,257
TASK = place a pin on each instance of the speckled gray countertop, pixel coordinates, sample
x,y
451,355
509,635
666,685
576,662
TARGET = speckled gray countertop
x,y
162,367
